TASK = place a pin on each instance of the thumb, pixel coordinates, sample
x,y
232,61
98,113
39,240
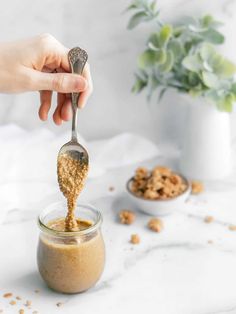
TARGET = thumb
x,y
59,82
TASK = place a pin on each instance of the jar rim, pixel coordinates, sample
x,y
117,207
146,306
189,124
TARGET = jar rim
x,y
43,227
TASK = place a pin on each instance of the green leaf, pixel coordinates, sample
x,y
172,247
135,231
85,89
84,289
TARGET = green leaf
x,y
154,40
193,79
139,85
225,69
195,92
153,6
161,56
137,19
192,63
233,89
165,34
176,48
207,51
167,66
226,103
162,93
147,59
207,20
210,79
213,36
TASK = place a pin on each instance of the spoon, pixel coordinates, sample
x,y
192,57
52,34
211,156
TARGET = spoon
x,y
77,59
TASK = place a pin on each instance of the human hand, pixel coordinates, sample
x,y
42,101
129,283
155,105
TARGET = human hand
x,y
41,64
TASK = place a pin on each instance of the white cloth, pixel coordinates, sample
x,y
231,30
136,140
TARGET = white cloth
x,y
29,155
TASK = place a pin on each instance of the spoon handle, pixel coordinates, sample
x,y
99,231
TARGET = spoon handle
x,y
77,59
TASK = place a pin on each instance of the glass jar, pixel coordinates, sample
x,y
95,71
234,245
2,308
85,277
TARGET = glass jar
x,y
70,262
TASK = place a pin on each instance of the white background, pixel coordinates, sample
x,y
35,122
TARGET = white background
x,y
100,28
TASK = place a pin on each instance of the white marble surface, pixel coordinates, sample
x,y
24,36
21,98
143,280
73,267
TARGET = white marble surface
x,y
174,272
100,27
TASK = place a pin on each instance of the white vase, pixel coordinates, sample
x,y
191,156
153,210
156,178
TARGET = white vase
x,y
206,153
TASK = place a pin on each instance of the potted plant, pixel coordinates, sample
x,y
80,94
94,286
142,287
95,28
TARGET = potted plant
x,y
183,57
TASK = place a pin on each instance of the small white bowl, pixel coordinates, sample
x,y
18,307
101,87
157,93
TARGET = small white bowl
x,y
159,207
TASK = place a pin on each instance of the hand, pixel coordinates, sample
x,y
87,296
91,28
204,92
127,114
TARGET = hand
x,y
27,65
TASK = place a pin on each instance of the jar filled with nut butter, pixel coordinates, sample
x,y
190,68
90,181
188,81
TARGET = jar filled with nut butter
x,y
70,261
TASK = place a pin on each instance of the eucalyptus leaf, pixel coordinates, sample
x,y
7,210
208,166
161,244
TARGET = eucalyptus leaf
x,y
167,65
138,85
207,20
207,51
176,48
165,34
226,104
154,40
161,94
147,59
225,69
192,63
210,79
137,19
213,36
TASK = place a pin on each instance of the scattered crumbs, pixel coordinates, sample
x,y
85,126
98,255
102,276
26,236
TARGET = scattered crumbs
x,y
135,239
8,295
12,302
208,219
28,303
127,217
232,227
59,304
36,291
21,311
155,224
111,188
197,187
210,242
35,312
18,298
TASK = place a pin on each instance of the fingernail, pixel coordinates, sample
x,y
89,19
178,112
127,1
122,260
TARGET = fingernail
x,y
80,105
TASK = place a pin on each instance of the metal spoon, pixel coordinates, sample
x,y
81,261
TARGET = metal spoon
x,y
77,59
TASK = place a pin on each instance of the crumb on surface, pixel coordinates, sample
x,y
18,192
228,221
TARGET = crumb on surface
x,y
126,217
209,219
8,295
210,242
36,290
135,239
155,224
59,304
197,187
28,303
21,311
111,188
18,297
232,227
12,302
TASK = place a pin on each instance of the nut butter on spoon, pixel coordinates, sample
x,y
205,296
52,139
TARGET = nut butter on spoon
x,y
73,159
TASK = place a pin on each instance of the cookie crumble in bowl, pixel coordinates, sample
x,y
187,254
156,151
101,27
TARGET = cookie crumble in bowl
x,y
159,191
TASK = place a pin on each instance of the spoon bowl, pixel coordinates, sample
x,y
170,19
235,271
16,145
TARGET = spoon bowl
x,y
75,151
